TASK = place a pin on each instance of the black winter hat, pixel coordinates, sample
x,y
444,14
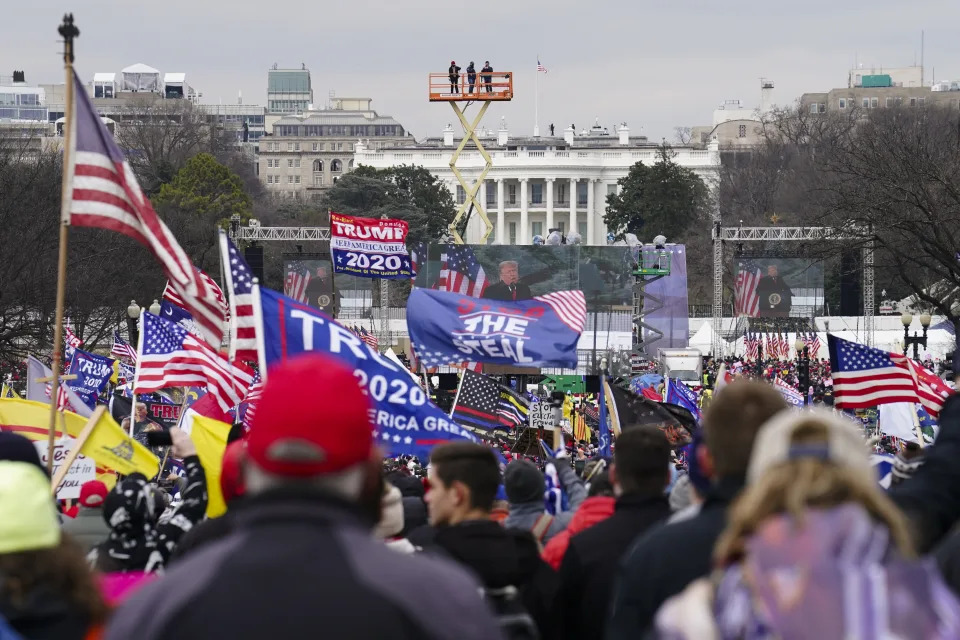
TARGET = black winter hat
x,y
16,448
523,482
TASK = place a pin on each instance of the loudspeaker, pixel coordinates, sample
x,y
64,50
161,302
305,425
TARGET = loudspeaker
x,y
851,301
254,257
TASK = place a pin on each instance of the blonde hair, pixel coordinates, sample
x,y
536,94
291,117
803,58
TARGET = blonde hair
x,y
793,486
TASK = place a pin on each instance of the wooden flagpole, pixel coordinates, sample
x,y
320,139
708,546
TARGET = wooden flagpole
x,y
69,33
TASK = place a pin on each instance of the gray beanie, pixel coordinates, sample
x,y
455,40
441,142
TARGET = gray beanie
x,y
523,482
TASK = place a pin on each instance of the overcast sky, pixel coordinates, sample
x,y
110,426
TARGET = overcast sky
x,y
654,65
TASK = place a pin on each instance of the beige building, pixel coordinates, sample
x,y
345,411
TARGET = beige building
x,y
307,153
840,100
736,127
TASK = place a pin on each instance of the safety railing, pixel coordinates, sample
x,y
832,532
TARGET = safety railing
x,y
494,85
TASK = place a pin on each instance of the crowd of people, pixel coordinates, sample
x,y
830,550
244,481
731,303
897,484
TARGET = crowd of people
x,y
771,524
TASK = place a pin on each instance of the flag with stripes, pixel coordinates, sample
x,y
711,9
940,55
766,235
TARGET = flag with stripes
x,y
448,328
477,402
513,408
815,345
170,356
461,272
746,302
867,377
250,402
418,257
369,338
296,281
239,282
931,389
72,339
540,67
103,193
122,349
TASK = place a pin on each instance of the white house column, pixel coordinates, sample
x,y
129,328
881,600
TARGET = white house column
x,y
550,225
573,207
501,222
524,236
591,220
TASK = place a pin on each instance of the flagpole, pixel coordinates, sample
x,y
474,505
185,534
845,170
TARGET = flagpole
x,y
536,101
69,33
463,374
258,324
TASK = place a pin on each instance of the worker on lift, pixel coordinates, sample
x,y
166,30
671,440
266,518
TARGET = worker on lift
x,y
454,72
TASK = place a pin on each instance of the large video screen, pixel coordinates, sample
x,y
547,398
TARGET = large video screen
x,y
777,287
311,282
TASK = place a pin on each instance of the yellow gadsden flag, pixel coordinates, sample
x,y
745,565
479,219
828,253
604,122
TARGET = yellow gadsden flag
x,y
108,445
210,438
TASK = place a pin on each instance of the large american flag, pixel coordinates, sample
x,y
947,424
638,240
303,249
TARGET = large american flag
x,y
746,302
170,356
865,377
461,272
104,193
295,284
121,349
243,332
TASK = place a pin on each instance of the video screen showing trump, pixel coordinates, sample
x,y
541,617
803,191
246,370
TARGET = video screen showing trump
x,y
777,287
510,272
311,282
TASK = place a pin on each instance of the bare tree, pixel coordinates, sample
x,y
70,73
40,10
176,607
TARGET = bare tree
x,y
682,135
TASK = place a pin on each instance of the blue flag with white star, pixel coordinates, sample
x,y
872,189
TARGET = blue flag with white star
x,y
404,421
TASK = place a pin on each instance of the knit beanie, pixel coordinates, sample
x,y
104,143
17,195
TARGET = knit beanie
x,y
28,517
16,448
523,482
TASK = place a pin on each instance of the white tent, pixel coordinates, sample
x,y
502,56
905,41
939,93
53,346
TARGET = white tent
x,y
140,78
703,338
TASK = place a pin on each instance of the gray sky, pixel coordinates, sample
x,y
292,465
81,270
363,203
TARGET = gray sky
x,y
655,65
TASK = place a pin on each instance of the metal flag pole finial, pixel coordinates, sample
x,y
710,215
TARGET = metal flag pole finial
x,y
69,31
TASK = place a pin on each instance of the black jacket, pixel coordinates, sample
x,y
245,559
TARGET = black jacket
x,y
210,530
590,563
500,291
931,497
662,562
302,565
503,557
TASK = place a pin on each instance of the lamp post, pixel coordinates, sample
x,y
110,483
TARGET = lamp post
x,y
155,307
803,368
133,314
915,340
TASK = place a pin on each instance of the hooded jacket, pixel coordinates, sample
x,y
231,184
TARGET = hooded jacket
x,y
44,615
301,564
525,515
593,510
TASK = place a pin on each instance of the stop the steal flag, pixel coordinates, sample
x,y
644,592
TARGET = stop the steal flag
x,y
403,419
450,328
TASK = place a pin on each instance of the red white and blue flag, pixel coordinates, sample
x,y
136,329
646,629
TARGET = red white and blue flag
x,y
121,349
746,302
461,272
866,377
103,193
239,281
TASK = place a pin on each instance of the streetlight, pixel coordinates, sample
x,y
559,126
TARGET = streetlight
x,y
803,368
906,319
133,314
155,307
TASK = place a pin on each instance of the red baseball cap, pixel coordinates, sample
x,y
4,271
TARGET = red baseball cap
x,y
313,418
93,493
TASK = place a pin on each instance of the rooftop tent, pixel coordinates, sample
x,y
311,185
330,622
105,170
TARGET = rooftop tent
x,y
104,85
175,86
140,78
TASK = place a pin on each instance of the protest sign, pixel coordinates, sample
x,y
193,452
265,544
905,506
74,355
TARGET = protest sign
x,y
82,470
369,247
541,415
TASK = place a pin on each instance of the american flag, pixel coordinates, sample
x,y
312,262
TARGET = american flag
x,y
171,295
121,349
570,307
540,67
170,356
753,346
295,284
746,302
931,389
461,273
239,277
477,402
814,345
104,194
256,390
418,256
369,338
865,377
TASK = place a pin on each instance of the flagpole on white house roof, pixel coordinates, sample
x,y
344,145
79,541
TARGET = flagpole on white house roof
x,y
69,33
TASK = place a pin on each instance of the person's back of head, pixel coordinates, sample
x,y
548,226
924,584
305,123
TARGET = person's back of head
x,y
732,422
464,479
600,485
523,482
641,462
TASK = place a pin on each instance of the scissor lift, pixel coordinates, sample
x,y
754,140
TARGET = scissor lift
x,y
490,87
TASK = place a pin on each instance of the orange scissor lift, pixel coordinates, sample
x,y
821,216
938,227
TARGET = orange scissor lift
x,y
486,88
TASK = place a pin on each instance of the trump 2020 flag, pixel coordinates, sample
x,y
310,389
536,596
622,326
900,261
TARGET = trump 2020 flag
x,y
369,247
450,328
92,371
404,421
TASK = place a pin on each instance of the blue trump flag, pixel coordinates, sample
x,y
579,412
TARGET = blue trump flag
x,y
92,373
679,393
449,328
603,430
403,418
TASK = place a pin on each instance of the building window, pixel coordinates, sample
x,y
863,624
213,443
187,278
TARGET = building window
x,y
512,193
289,179
296,146
813,108
581,194
316,147
289,146
269,179
296,163
318,181
913,102
874,103
350,164
562,225
536,193
339,146
461,195
318,165
562,193
296,179
889,102
512,227
742,131
865,103
336,166
491,194
289,163
582,230
611,189
921,101
823,107
842,103
537,228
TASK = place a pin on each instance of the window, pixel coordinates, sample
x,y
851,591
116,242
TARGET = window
x,y
296,163
289,179
289,146
296,146
874,103
289,163
339,146
813,108
461,195
536,193
491,193
336,166
318,166
350,164
318,181
842,103
913,102
269,179
316,147
296,179
823,107
581,193
562,224
889,102
562,193
537,228
582,230
743,131
866,103
611,189
921,101
512,227
512,193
